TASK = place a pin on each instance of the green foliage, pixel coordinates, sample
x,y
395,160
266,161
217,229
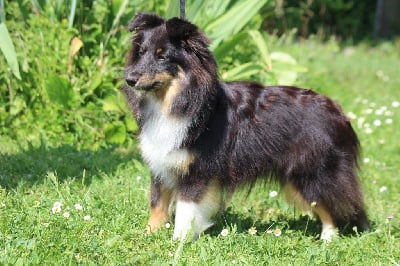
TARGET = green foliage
x,y
347,19
72,58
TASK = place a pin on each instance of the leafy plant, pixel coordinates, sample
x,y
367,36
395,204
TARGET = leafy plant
x,y
71,56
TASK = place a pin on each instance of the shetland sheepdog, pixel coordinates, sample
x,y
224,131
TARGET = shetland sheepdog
x,y
202,138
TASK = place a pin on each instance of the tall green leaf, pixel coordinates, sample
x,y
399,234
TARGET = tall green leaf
x,y
71,16
262,47
8,50
232,21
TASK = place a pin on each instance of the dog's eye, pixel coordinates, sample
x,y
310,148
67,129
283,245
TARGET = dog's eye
x,y
162,57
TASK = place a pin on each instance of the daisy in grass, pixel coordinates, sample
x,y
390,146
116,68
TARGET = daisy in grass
x,y
78,207
277,232
252,231
87,217
382,189
273,194
224,232
66,215
56,207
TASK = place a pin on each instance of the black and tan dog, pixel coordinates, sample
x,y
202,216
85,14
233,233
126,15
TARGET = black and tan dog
x,y
202,137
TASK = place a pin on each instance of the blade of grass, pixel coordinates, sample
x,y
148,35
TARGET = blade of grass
x,y
72,14
116,20
262,47
2,13
8,50
243,71
173,9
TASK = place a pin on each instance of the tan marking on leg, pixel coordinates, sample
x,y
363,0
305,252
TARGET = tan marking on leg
x,y
294,197
160,214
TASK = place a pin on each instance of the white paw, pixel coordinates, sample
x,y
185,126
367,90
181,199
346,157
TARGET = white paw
x,y
328,233
191,218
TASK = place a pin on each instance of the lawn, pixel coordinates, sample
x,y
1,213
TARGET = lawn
x,y
67,200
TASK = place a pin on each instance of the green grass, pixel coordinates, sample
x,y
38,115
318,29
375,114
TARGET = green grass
x,y
112,185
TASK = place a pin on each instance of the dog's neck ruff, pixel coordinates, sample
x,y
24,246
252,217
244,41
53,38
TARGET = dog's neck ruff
x,y
161,139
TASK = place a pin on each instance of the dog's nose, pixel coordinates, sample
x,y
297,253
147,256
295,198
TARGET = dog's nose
x,y
131,81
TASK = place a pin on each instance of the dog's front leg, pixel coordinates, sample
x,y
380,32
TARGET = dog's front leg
x,y
196,205
160,202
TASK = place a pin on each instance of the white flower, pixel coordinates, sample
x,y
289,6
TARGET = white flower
x,y
86,217
224,232
277,232
66,214
388,113
389,121
56,207
351,115
138,177
382,189
368,111
273,194
368,130
360,122
366,160
78,207
395,104
167,225
252,230
377,122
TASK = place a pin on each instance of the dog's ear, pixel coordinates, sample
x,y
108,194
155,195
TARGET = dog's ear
x,y
188,35
145,21
179,29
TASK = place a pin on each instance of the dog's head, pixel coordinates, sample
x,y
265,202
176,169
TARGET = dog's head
x,y
164,50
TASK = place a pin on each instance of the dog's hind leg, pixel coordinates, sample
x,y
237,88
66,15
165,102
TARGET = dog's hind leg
x,y
196,205
160,205
295,197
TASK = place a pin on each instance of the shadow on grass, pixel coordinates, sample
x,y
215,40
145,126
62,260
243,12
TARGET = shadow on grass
x,y
31,165
309,227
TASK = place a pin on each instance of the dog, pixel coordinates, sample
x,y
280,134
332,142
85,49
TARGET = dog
x,y
202,138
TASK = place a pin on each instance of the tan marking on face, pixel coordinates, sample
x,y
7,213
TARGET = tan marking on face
x,y
160,214
159,51
171,91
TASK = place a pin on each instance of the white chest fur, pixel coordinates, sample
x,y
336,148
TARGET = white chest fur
x,y
160,141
